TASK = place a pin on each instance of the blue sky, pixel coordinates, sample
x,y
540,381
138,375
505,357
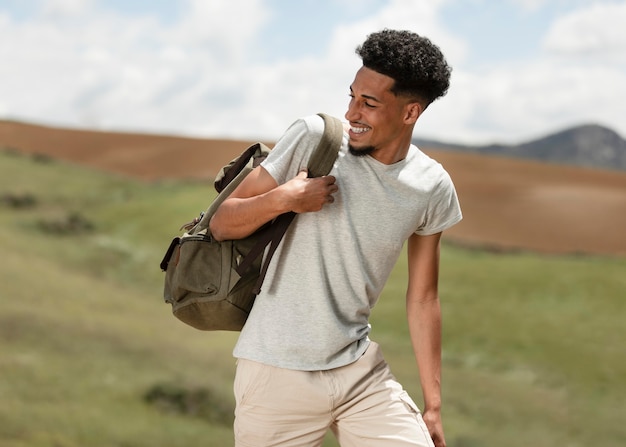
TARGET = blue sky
x,y
248,68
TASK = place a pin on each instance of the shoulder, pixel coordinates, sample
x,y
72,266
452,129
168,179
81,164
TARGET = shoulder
x,y
292,150
426,166
416,155
305,130
314,123
302,132
310,127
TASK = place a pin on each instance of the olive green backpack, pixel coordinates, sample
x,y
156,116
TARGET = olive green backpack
x,y
211,285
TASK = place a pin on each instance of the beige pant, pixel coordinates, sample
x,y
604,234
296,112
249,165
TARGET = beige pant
x,y
362,403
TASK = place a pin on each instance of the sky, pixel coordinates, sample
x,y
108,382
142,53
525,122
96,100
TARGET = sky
x,y
246,69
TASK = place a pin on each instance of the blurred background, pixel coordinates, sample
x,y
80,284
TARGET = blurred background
x,y
115,116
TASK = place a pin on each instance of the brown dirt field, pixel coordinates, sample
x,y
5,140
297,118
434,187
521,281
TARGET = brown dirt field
x,y
527,205
148,157
508,204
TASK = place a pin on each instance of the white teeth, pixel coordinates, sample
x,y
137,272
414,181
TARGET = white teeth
x,y
359,129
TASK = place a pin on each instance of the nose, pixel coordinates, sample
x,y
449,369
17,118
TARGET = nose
x,y
352,112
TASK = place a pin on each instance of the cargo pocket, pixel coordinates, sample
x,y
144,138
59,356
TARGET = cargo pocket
x,y
199,268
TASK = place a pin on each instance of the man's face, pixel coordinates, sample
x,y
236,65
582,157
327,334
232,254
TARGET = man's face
x,y
377,116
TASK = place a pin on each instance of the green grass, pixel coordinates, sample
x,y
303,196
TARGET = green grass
x,y
533,348
533,345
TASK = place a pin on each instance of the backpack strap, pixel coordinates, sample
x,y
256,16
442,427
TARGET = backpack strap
x,y
237,172
320,164
323,159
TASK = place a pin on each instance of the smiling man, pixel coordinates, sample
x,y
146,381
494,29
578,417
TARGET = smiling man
x,y
305,362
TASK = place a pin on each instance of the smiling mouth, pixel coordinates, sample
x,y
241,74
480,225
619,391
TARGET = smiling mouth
x,y
359,129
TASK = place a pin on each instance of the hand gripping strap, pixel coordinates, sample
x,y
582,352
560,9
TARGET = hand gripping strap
x,y
320,164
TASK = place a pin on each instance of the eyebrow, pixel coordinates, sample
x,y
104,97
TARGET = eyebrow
x,y
373,98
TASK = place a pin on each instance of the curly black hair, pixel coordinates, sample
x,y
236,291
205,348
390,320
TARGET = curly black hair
x,y
413,61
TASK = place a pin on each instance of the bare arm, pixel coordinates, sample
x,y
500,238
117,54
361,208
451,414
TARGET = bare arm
x,y
424,317
259,199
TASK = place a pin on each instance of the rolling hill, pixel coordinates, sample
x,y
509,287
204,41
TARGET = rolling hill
x,y
508,203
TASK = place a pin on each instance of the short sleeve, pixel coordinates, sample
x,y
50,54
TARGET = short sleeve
x,y
444,209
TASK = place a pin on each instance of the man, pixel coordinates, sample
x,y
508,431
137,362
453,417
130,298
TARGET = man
x,y
305,362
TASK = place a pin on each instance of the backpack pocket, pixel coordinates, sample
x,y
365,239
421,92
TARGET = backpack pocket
x,y
198,265
202,286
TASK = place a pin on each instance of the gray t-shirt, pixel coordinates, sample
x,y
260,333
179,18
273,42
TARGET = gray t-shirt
x,y
330,268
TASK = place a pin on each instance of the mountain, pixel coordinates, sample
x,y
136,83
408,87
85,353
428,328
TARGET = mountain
x,y
588,145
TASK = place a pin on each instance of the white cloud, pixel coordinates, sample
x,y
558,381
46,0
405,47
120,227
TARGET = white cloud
x,y
224,30
111,71
65,8
515,103
537,100
576,80
193,75
595,32
199,73
529,5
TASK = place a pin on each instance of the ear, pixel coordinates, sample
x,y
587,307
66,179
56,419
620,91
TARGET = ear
x,y
412,112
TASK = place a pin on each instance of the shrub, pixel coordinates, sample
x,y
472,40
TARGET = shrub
x,y
73,223
195,402
18,201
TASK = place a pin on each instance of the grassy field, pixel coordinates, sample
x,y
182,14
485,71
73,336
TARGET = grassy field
x,y
533,346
